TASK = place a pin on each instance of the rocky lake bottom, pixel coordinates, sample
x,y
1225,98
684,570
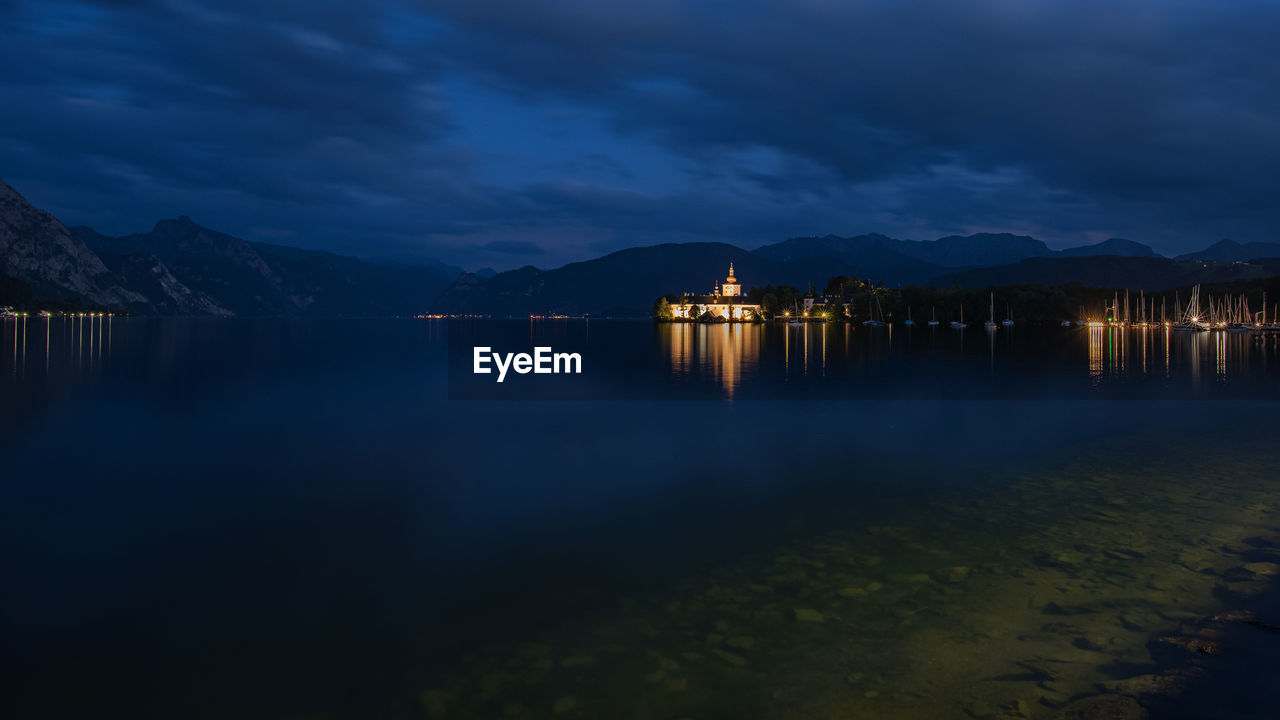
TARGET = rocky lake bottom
x,y
1100,590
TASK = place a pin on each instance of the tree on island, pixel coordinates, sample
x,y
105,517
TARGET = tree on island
x,y
769,304
785,297
662,309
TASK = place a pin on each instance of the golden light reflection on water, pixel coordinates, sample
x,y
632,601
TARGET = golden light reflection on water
x,y
1095,353
729,355
1116,352
723,352
73,342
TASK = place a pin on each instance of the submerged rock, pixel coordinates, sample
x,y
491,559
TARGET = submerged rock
x,y
1201,646
955,574
564,704
1166,685
1262,568
1244,616
808,615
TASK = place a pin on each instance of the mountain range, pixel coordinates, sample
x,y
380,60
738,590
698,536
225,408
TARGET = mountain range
x,y
182,268
1232,251
627,281
1106,271
39,252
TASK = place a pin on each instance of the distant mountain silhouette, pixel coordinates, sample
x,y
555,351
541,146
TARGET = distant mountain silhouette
x,y
875,256
181,268
1145,273
202,263
626,282
978,249
1114,246
900,262
331,284
1232,251
188,269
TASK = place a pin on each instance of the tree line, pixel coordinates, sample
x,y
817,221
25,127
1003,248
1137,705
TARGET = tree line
x,y
853,299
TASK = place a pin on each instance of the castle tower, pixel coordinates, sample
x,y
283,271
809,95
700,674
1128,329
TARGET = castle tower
x,y
730,286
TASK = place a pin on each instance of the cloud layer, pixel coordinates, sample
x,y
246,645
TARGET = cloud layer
x,y
499,133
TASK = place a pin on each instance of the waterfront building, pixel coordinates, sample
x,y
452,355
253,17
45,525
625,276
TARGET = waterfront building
x,y
725,301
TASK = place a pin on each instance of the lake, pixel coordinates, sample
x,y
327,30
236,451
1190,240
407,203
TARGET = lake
x,y
333,519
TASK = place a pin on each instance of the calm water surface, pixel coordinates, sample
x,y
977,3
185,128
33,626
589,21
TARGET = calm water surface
x,y
292,519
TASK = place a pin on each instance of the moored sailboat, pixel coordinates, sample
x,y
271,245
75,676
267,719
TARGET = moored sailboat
x,y
871,320
1192,319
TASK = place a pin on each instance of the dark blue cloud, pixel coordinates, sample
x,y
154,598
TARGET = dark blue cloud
x,y
510,132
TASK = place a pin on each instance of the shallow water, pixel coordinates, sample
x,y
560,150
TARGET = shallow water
x,y
291,519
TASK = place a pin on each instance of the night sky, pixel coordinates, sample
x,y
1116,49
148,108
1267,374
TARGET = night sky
x,y
505,133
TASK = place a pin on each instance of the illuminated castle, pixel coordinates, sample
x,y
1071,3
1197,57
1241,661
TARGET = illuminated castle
x,y
725,301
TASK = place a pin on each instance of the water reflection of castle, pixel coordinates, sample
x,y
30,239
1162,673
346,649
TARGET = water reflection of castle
x,y
722,353
726,302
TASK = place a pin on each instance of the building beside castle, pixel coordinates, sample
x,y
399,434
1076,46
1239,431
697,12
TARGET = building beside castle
x,y
725,302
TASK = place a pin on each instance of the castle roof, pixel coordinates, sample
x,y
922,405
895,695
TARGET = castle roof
x,y
736,300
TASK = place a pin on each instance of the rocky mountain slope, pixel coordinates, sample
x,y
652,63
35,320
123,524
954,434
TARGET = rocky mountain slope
x,y
191,269
182,268
41,252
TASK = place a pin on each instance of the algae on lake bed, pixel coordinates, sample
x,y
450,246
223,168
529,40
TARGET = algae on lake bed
x,y
1021,599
